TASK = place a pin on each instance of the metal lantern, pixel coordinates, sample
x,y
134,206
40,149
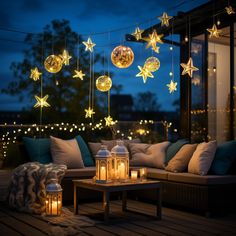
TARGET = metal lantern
x,y
53,198
104,165
120,155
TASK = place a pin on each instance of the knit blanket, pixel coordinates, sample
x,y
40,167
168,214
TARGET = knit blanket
x,y
27,186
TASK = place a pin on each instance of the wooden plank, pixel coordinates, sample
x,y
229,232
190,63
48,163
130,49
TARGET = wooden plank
x,y
8,231
96,231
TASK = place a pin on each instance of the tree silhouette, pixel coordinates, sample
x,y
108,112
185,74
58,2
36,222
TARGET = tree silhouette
x,y
147,101
67,95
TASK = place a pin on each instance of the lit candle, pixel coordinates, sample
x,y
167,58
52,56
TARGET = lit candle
x,y
103,173
121,170
54,207
143,173
134,174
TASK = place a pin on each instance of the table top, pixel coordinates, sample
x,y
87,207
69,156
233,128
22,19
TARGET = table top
x,y
117,186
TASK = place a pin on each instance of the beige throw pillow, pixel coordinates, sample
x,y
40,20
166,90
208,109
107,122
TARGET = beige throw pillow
x,y
66,152
180,161
94,147
202,158
149,155
111,143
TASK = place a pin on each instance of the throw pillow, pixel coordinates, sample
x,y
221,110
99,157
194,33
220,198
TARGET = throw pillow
x,y
38,149
224,158
94,148
173,149
150,155
202,158
66,152
180,161
111,143
86,155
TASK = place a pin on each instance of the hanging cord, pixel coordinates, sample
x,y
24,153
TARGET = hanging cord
x,y
90,79
189,37
93,89
108,103
172,52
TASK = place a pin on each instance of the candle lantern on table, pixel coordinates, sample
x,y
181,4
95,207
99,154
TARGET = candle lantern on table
x,y
104,163
53,198
121,160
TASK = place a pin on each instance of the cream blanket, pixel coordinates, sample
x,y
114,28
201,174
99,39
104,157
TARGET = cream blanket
x,y
27,187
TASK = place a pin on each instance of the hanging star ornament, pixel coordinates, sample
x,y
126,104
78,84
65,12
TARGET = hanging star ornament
x,y
65,57
34,74
152,41
172,86
138,33
188,68
78,74
89,45
109,120
89,113
214,32
165,19
229,10
144,72
41,102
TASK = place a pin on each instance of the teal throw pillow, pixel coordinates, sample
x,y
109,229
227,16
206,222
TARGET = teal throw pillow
x,y
224,158
38,149
173,149
86,155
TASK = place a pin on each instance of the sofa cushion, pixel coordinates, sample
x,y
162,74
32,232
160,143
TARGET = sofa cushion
x,y
94,148
201,180
202,158
66,152
173,149
180,161
87,172
38,149
155,173
86,155
111,143
224,158
150,156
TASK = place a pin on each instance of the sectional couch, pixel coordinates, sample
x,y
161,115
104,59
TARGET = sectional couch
x,y
207,193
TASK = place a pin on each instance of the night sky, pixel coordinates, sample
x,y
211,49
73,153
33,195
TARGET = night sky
x,y
86,18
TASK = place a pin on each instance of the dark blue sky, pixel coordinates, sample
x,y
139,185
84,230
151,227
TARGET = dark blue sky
x,y
88,17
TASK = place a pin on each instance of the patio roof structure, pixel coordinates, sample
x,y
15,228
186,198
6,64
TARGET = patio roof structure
x,y
207,107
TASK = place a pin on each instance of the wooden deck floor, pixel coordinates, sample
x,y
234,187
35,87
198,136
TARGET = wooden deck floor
x,y
173,222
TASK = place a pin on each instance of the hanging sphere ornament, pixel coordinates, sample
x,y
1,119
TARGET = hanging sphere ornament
x,y
152,64
53,63
103,83
122,56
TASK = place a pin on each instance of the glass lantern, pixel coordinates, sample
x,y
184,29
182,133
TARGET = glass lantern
x,y
53,198
120,155
104,165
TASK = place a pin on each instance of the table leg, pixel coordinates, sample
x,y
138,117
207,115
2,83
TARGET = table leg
x,y
106,205
76,208
124,200
159,204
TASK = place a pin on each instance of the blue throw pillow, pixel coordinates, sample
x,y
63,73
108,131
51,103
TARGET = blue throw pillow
x,y
173,149
38,149
86,155
224,158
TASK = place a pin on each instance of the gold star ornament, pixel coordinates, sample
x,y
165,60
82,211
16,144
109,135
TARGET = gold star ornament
x,y
138,33
34,74
145,73
214,32
78,74
41,102
188,68
89,45
229,10
165,19
152,41
65,58
109,121
172,86
89,113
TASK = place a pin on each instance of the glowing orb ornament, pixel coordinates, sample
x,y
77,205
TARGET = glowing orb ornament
x,y
103,83
122,56
152,64
53,63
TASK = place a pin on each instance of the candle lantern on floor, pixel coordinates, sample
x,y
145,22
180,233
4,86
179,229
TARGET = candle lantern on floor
x,y
53,198
104,167
121,159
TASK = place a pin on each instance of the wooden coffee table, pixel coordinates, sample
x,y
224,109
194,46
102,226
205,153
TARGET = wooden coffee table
x,y
117,187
